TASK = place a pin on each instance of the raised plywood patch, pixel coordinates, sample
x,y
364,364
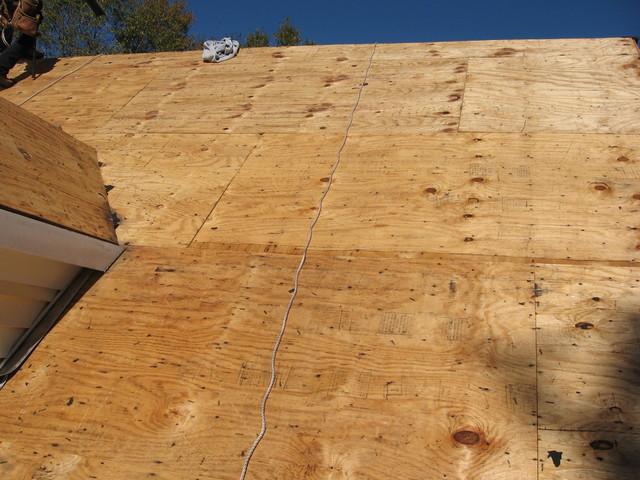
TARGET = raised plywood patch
x,y
50,176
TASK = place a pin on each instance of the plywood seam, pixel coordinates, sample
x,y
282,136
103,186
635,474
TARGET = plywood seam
x,y
284,249
557,55
589,430
535,336
464,90
215,204
296,279
57,80
636,45
524,96
128,102
557,133
547,132
361,135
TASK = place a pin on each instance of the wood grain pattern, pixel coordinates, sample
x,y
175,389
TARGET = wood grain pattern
x,y
162,187
49,70
46,174
373,343
491,194
408,96
586,94
469,304
589,455
508,48
589,348
100,89
273,90
552,196
186,372
275,195
185,339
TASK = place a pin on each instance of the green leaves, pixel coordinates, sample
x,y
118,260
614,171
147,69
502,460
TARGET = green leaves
x,y
286,35
259,38
130,26
153,26
71,28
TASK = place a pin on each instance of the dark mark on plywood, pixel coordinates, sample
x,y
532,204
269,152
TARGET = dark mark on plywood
x,y
555,456
466,437
601,445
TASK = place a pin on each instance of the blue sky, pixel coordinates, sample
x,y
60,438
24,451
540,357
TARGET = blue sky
x,y
334,21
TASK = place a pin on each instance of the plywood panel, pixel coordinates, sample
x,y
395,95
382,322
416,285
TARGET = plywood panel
x,y
388,361
49,175
275,195
546,196
302,78
508,48
403,97
49,70
584,94
163,187
262,90
182,363
550,196
589,455
589,347
88,98
419,316
148,379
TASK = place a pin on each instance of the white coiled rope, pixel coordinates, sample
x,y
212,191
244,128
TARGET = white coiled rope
x,y
296,282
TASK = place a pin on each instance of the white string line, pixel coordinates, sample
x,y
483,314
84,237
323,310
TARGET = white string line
x,y
46,87
296,282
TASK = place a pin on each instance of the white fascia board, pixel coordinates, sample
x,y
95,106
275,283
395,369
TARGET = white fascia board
x,y
41,239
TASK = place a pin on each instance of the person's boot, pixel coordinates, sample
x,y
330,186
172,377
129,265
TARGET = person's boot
x,y
6,82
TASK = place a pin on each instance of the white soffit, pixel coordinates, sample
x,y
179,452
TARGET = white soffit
x,y
41,239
